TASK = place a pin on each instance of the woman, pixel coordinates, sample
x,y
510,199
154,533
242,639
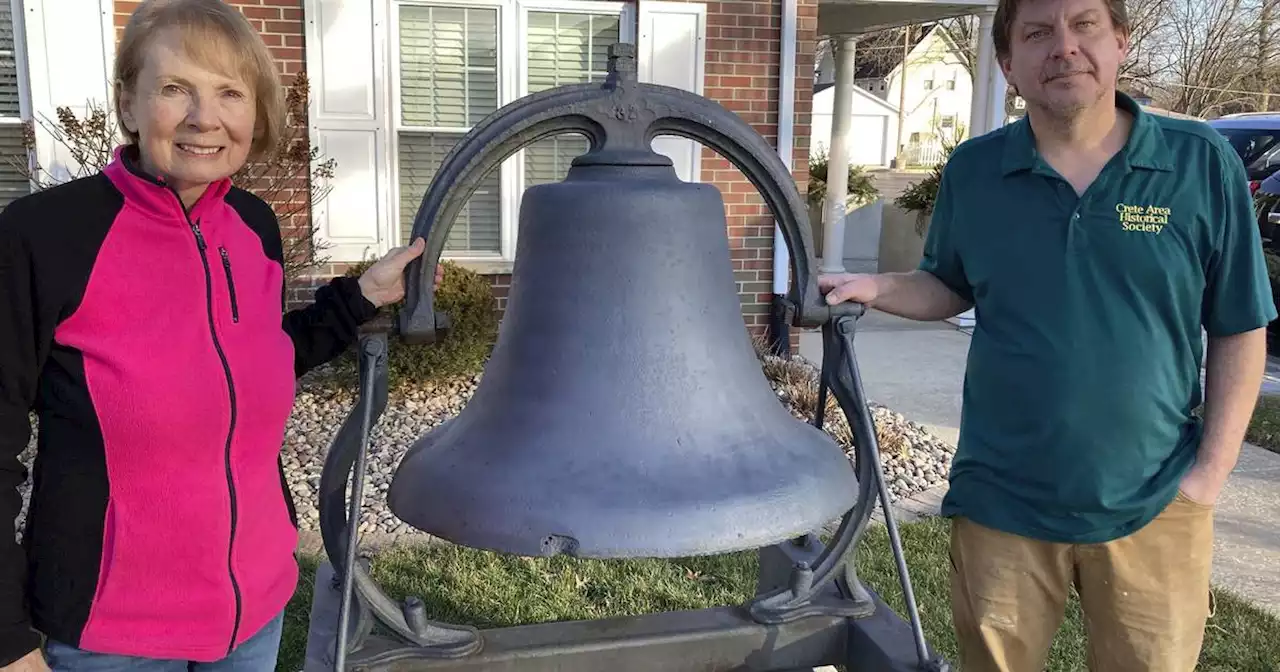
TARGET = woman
x,y
140,316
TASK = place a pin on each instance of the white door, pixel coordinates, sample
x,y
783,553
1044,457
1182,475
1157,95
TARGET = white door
x,y
671,52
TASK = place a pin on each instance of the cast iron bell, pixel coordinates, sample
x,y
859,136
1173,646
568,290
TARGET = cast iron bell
x,y
623,412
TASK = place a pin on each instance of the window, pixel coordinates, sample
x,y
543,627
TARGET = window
x,y
13,183
951,84
564,49
948,121
448,82
457,63
928,85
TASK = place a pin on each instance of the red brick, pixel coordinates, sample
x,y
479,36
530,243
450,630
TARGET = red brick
x,y
265,13
282,27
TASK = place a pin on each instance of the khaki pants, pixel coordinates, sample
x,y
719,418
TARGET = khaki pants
x,y
1145,597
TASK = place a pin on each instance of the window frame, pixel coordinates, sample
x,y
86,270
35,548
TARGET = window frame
x,y
513,37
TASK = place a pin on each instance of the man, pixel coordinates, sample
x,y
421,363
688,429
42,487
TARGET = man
x,y
1095,240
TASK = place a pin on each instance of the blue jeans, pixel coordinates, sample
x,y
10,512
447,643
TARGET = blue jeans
x,y
256,654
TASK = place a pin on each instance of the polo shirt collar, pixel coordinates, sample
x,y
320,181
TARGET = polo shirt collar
x,y
1146,147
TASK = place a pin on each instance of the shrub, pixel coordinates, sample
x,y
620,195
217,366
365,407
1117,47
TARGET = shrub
x,y
288,169
468,299
861,188
920,197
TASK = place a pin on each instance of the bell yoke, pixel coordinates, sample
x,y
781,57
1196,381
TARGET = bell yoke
x,y
623,413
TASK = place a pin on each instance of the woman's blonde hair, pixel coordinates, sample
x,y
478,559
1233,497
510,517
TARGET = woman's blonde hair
x,y
218,37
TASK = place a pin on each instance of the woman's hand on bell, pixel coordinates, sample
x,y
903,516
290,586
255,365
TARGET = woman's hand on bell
x,y
383,282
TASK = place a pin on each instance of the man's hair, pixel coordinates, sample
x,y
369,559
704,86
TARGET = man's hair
x,y
1007,11
217,36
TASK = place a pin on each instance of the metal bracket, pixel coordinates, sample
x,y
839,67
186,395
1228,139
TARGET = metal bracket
x,y
362,602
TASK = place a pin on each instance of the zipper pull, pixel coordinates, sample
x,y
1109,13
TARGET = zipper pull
x,y
195,228
231,283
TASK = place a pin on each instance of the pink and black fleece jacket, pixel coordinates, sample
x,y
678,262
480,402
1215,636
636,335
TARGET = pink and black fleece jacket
x,y
153,345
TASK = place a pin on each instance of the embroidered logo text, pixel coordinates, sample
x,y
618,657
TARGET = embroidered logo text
x,y
1143,218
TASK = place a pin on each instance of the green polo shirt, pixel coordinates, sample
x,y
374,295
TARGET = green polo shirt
x,y
1083,369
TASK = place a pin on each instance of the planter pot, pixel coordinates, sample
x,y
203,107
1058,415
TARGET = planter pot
x,y
900,246
861,232
815,225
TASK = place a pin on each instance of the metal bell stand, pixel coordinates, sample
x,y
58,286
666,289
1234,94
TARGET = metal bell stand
x,y
810,608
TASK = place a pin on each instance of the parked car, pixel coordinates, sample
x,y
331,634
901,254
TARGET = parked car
x,y
1266,203
1256,138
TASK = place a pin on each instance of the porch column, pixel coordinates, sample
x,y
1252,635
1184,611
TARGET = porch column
x,y
986,111
838,160
984,64
995,98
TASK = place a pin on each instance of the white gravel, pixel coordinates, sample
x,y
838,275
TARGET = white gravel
x,y
913,459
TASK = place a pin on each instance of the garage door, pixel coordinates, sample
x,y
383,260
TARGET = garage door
x,y
867,139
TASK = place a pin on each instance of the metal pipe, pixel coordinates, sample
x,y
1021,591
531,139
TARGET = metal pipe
x,y
779,330
786,132
373,348
978,113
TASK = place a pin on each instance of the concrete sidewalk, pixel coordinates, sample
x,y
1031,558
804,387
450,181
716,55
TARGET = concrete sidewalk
x,y
1247,529
917,369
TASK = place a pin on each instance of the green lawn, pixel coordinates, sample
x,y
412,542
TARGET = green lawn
x,y
491,590
1264,428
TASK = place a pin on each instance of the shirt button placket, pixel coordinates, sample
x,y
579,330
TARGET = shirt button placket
x,y
1073,224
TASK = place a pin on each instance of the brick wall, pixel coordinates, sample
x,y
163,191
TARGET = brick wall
x,y
742,67
278,21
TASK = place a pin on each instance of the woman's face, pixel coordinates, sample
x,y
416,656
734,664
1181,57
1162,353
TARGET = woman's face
x,y
195,125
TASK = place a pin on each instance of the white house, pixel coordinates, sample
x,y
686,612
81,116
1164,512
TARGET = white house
x,y
874,126
935,104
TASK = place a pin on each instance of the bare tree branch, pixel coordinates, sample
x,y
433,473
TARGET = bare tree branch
x,y
1213,45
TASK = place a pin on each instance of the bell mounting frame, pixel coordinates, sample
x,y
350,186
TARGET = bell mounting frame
x,y
807,593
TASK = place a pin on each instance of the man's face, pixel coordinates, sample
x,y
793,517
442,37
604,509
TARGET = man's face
x,y
1064,55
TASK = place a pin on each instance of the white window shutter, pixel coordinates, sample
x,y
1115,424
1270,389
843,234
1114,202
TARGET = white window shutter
x,y
345,65
61,52
672,52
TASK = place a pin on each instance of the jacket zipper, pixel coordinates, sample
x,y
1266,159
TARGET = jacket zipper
x,y
226,369
231,284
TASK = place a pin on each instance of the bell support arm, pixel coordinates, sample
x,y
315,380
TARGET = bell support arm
x,y
620,118
362,601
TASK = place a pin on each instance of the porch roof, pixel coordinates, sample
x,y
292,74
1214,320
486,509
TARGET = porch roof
x,y
855,17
